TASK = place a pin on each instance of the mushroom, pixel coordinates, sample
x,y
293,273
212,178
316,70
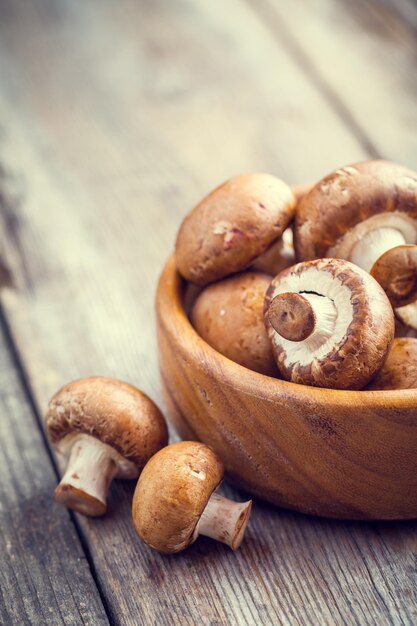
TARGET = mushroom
x,y
396,272
330,324
228,315
175,500
232,226
107,428
407,316
278,256
400,369
365,213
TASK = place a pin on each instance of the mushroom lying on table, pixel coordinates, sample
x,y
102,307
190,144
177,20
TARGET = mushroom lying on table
x,y
175,500
330,324
400,369
232,226
365,213
229,316
108,429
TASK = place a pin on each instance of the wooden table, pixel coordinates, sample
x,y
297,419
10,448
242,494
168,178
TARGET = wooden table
x,y
115,118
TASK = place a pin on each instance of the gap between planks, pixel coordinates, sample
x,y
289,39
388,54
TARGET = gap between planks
x,y
47,588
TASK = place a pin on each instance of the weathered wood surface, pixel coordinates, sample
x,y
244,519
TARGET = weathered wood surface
x,y
44,575
362,54
115,119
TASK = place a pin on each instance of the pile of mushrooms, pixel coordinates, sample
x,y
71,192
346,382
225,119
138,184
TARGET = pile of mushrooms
x,y
308,284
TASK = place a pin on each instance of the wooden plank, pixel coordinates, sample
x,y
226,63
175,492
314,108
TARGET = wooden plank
x,y
44,575
117,118
406,10
124,158
362,54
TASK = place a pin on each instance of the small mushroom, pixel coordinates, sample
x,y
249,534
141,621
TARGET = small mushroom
x,y
228,315
232,226
107,428
330,324
406,320
175,500
400,369
365,213
278,256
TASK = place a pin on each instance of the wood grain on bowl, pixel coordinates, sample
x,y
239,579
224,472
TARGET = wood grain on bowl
x,y
342,454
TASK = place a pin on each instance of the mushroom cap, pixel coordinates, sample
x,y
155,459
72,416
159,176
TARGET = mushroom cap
x,y
400,368
172,492
396,272
228,315
115,412
348,197
364,326
232,226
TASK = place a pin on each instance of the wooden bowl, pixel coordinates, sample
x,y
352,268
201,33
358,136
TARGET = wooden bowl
x,y
342,454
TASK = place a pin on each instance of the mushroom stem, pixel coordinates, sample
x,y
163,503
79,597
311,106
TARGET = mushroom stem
x,y
224,520
87,479
303,317
372,245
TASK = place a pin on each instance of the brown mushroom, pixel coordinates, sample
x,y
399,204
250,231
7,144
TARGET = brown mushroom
x,y
108,429
175,500
232,226
228,315
330,324
278,256
396,272
400,369
406,320
365,213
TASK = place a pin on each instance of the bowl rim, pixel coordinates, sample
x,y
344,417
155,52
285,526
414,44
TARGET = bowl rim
x,y
170,307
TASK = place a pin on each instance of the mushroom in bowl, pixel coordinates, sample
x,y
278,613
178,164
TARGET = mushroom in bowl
x,y
229,316
232,226
365,213
400,368
280,254
330,324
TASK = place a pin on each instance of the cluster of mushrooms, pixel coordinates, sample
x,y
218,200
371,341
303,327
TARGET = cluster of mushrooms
x,y
107,428
310,285
306,285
